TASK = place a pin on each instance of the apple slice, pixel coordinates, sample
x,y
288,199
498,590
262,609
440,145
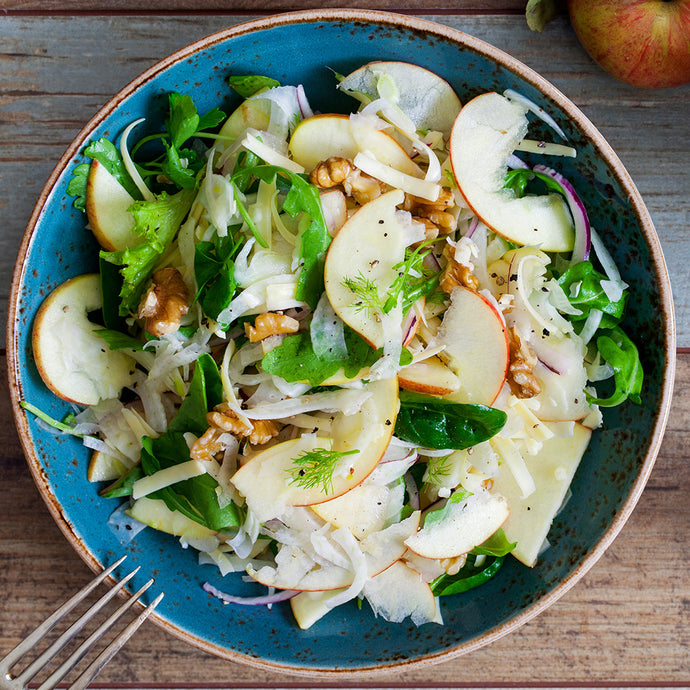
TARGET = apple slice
x,y
265,481
73,361
427,99
398,593
107,208
322,136
104,467
155,513
467,524
477,348
367,247
249,114
309,607
430,376
362,510
552,470
380,550
485,133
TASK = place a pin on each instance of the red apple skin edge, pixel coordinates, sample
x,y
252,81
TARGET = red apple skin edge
x,y
644,43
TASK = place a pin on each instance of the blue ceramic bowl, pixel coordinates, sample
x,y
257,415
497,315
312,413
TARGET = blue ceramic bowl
x,y
612,475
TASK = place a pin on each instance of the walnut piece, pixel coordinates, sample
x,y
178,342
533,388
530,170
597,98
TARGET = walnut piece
x,y
269,324
452,566
336,171
456,274
520,376
433,212
207,446
165,302
258,432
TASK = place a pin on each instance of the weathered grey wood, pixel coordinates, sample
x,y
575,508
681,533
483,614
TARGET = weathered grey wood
x,y
626,622
56,71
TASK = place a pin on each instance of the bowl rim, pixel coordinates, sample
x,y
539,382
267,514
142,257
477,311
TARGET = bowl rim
x,y
528,75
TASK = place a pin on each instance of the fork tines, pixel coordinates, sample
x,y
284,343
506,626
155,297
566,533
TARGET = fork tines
x,y
10,682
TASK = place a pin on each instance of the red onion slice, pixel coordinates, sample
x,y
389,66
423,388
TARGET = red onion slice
x,y
265,600
583,236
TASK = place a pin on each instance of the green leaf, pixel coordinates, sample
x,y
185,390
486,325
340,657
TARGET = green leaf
x,y
76,187
111,286
302,197
107,154
468,577
214,269
435,423
590,295
495,545
621,353
124,485
183,121
119,341
440,514
196,497
295,360
248,85
157,222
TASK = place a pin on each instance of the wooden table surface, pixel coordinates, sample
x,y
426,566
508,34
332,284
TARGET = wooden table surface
x,y
627,623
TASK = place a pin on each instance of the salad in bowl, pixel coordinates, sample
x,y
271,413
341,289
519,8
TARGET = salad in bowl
x,y
354,357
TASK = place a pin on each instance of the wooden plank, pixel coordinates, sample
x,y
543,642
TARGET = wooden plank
x,y
248,6
626,621
55,72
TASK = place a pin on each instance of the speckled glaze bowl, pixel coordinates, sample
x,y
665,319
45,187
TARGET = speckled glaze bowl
x,y
614,470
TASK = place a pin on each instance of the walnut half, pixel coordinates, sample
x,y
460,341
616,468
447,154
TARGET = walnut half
x,y
269,324
337,171
165,303
520,376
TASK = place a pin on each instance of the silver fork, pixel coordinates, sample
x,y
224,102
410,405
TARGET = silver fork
x,y
8,681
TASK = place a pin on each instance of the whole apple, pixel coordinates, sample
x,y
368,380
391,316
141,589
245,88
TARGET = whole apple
x,y
645,43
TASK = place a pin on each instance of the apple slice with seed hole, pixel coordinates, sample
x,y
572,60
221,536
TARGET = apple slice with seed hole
x,y
322,136
552,470
368,246
265,481
485,133
477,349
426,98
469,523
107,208
73,361
380,549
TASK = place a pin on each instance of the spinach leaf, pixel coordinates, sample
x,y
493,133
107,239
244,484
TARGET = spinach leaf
x,y
295,360
111,286
302,197
620,352
123,486
196,497
471,575
248,85
157,222
119,341
214,269
590,295
496,545
434,423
